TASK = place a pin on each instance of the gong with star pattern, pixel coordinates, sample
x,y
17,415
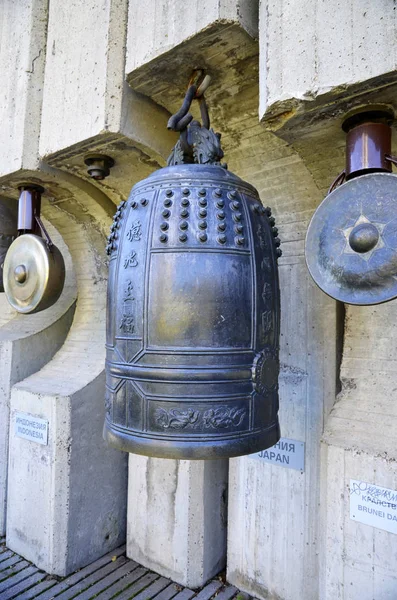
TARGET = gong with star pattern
x,y
351,242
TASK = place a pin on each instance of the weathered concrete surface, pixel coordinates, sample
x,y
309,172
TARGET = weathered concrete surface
x,y
23,27
177,516
165,46
359,561
274,527
67,500
89,74
315,53
27,343
87,105
156,29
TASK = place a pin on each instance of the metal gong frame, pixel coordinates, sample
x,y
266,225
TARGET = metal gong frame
x,y
351,242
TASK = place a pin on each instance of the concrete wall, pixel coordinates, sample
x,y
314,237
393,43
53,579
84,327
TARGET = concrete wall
x,y
360,444
274,530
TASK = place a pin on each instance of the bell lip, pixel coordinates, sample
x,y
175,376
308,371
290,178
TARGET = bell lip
x,y
181,173
190,450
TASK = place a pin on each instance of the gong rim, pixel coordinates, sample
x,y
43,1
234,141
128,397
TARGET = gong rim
x,y
33,275
361,278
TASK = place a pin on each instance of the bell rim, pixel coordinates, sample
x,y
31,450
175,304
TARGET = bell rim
x,y
189,449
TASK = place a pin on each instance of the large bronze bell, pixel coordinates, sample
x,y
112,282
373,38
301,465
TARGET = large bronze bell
x,y
8,232
193,309
34,269
351,242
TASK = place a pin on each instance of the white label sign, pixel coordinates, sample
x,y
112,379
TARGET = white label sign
x,y
31,428
287,453
373,505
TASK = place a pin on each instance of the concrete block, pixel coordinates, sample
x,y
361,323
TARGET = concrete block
x,y
27,343
274,524
156,29
360,443
85,91
67,499
22,57
84,58
176,522
320,59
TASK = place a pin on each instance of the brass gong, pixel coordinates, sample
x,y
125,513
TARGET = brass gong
x,y
351,242
33,274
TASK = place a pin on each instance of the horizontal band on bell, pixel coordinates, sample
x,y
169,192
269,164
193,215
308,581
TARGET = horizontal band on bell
x,y
221,374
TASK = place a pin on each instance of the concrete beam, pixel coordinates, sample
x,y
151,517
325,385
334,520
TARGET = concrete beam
x,y
88,106
218,37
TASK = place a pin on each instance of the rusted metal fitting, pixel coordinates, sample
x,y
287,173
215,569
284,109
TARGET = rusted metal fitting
x,y
368,142
99,165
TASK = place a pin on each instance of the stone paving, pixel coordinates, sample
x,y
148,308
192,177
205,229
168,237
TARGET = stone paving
x,y
112,576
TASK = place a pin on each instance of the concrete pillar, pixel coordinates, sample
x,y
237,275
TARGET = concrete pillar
x,y
360,559
26,345
23,28
67,498
177,517
273,513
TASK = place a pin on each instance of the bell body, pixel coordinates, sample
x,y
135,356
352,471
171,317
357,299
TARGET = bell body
x,y
192,318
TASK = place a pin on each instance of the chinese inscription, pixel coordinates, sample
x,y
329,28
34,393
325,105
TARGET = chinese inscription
x,y
127,324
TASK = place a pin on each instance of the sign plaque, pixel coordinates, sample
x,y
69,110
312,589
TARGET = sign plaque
x,y
373,505
286,453
31,428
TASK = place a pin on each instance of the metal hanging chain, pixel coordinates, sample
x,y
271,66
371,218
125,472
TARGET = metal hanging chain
x,y
198,143
182,118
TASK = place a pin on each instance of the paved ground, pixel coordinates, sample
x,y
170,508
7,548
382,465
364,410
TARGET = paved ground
x,y
112,576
